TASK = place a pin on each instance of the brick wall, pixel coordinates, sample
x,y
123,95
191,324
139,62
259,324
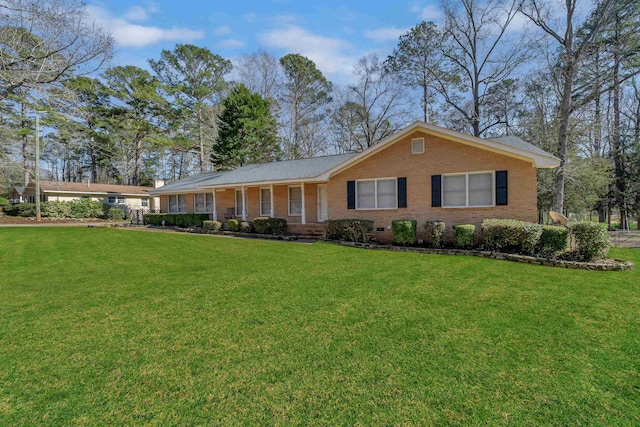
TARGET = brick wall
x,y
440,157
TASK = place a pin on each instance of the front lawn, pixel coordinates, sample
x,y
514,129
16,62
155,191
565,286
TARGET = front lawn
x,y
107,326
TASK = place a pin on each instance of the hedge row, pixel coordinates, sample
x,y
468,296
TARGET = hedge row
x,y
503,235
55,209
179,220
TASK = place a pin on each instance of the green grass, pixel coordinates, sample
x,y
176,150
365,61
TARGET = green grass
x,y
105,326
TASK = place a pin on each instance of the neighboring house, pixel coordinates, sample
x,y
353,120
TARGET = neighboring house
x,y
423,172
122,196
17,195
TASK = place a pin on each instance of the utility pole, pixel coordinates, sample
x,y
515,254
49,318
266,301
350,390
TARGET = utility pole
x,y
38,216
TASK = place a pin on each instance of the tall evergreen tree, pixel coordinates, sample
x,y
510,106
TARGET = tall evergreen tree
x,y
247,131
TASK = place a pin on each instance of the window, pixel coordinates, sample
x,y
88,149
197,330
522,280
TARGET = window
x,y
116,200
239,202
145,203
468,190
203,202
178,203
417,146
295,201
377,194
265,202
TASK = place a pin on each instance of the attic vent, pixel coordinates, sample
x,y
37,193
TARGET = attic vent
x,y
417,146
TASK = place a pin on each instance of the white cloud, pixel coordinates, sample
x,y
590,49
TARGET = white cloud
x,y
222,30
427,13
230,44
385,34
331,55
136,13
128,34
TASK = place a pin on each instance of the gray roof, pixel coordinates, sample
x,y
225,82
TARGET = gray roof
x,y
515,142
257,172
188,183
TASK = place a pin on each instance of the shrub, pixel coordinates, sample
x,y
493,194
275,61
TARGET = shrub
x,y
21,209
86,209
211,225
553,239
180,220
3,201
404,231
434,233
509,235
115,213
54,209
246,227
463,235
265,225
353,230
592,239
233,225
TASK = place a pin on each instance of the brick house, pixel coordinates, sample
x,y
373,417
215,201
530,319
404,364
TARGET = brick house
x,y
422,172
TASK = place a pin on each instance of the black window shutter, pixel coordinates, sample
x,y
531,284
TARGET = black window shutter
x,y
402,192
501,188
351,194
436,191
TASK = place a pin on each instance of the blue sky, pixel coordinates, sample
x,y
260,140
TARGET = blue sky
x,y
334,34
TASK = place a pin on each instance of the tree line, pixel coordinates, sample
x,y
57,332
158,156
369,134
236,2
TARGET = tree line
x,y
564,79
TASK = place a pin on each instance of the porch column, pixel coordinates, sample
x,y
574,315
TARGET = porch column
x,y
215,207
304,213
271,210
244,204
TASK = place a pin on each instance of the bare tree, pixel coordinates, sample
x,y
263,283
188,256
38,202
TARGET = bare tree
x,y
43,41
260,72
371,109
477,56
573,39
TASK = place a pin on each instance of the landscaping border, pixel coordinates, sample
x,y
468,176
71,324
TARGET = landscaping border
x,y
617,265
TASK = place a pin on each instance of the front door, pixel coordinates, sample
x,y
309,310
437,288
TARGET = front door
x,y
323,211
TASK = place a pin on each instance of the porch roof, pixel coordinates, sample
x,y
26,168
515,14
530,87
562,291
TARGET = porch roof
x,y
285,170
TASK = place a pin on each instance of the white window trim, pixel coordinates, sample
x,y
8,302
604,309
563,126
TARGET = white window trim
x,y
466,187
116,202
267,214
195,205
235,202
177,196
417,140
376,194
143,201
289,200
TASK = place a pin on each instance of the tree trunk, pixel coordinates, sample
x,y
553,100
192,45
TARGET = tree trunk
x,y
200,139
137,168
25,143
563,132
618,150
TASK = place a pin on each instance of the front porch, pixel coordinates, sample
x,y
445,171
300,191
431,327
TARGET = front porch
x,y
298,203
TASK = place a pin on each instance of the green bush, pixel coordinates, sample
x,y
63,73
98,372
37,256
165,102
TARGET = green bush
x,y
246,227
53,209
592,239
265,225
434,233
116,213
510,235
179,220
553,239
3,201
463,235
233,225
404,231
85,209
211,225
352,230
21,209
